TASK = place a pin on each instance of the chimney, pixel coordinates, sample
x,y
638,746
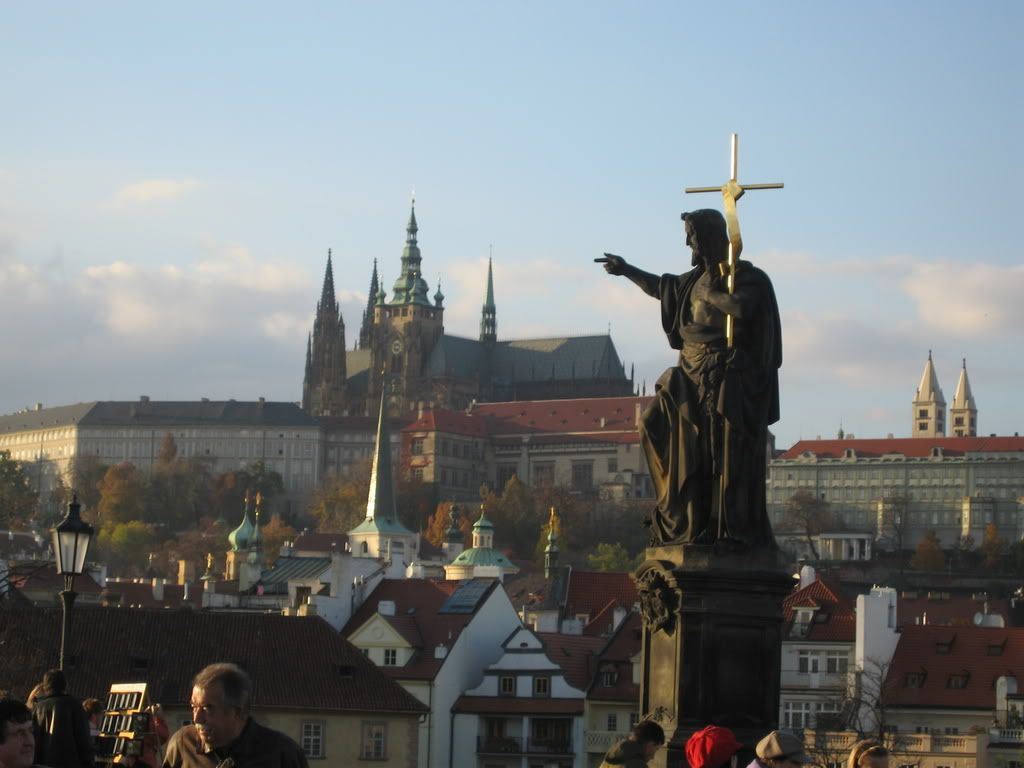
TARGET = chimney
x,y
158,589
636,414
143,398
39,406
386,607
441,651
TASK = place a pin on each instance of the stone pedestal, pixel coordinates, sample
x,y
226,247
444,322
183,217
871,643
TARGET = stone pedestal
x,y
712,644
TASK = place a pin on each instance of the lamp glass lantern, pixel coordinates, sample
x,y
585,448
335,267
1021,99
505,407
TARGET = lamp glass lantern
x,y
71,539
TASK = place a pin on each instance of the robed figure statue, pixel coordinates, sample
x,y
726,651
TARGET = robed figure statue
x,y
705,434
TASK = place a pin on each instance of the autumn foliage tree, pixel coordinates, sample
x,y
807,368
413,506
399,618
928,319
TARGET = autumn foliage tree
x,y
439,522
929,555
994,548
17,497
339,503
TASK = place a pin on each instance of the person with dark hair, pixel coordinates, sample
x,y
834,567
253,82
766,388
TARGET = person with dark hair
x,y
638,750
705,434
223,732
17,743
60,726
712,747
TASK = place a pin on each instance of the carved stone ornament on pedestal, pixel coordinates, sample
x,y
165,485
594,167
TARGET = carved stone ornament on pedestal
x,y
659,598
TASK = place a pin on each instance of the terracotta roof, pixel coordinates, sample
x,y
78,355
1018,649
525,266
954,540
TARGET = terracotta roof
x,y
583,415
590,591
576,655
517,705
140,595
911,447
167,648
42,576
320,543
418,603
947,609
928,659
835,618
617,657
450,422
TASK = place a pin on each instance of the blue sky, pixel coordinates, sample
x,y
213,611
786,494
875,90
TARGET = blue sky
x,y
171,177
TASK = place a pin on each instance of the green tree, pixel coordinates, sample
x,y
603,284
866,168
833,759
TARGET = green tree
x,y
87,473
929,555
122,495
515,517
125,546
17,498
612,557
339,503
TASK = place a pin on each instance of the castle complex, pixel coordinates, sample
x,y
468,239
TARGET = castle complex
x,y
402,345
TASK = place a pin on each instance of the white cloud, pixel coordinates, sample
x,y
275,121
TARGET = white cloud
x,y
153,190
967,300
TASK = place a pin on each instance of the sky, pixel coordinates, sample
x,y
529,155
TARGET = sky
x,y
172,176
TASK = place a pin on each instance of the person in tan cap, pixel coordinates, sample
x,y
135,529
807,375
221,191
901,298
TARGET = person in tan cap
x,y
779,749
868,754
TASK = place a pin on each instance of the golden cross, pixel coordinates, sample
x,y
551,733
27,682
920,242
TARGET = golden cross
x,y
731,192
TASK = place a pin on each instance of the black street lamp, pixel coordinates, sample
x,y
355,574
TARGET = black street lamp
x,y
71,540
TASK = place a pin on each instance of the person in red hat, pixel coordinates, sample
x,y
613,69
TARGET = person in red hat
x,y
712,747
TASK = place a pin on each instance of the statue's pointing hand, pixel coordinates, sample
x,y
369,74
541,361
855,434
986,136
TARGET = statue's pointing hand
x,y
613,265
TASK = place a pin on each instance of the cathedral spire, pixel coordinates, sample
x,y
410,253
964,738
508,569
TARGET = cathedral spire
x,y
366,329
929,404
323,385
963,413
489,313
327,295
410,287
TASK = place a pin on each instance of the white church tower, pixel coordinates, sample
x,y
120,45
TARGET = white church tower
x,y
929,405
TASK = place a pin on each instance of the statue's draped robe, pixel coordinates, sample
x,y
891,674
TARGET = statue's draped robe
x,y
683,431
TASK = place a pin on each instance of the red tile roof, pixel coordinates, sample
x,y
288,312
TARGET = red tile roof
x,y
947,609
319,543
590,591
140,595
576,655
835,618
517,705
42,576
617,657
417,605
298,663
911,447
983,654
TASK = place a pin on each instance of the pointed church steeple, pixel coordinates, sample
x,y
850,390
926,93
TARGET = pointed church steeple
x,y
489,315
410,287
929,404
963,413
323,386
380,506
551,550
366,329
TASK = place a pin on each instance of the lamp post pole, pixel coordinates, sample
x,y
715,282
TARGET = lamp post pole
x,y
71,539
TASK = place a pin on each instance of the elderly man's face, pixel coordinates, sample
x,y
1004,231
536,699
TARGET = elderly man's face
x,y
218,723
19,745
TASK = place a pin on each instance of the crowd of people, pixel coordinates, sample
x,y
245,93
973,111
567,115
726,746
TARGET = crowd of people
x,y
52,729
718,747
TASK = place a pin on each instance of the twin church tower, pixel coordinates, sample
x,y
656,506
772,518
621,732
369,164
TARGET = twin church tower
x,y
404,354
930,406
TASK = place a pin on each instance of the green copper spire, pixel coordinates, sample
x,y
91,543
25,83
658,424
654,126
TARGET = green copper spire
x,y
410,287
241,537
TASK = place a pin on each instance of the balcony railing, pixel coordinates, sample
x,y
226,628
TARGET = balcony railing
x,y
516,745
602,741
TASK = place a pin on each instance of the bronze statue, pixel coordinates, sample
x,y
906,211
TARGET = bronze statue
x,y
705,435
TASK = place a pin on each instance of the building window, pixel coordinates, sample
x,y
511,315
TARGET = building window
x,y
613,466
504,473
543,473
507,685
609,678
375,742
582,475
417,474
796,714
313,738
390,657
808,662
613,722
634,718
417,446
957,682
542,685
836,663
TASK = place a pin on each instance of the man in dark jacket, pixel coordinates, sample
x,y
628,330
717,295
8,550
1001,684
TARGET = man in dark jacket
x,y
60,726
222,732
636,751
16,745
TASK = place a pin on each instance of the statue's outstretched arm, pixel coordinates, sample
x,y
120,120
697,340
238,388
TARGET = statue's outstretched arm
x,y
616,265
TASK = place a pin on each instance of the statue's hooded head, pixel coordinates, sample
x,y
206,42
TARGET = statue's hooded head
x,y
706,234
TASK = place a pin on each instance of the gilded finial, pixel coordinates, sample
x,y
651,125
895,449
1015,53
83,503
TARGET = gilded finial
x,y
209,562
248,499
259,502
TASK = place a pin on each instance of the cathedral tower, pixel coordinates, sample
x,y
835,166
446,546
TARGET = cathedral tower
x,y
366,329
323,388
929,405
963,413
489,315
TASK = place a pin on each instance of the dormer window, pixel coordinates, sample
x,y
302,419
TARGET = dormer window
x,y
958,682
915,679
